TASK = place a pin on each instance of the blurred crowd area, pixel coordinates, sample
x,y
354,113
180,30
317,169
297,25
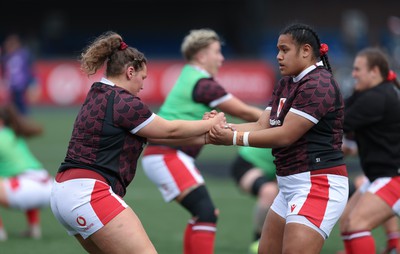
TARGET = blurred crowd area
x,y
249,28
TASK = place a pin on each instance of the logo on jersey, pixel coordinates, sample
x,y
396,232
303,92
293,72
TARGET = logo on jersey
x,y
292,207
274,122
280,106
81,221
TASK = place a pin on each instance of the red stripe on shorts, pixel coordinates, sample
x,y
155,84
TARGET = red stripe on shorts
x,y
183,178
14,183
317,200
391,191
105,205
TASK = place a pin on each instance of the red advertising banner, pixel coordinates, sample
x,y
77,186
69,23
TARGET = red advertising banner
x,y
62,83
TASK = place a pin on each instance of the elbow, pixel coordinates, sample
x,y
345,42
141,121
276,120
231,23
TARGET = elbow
x,y
273,139
272,143
284,142
250,116
152,140
175,133
171,130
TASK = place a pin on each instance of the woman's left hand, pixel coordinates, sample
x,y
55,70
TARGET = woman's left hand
x,y
220,134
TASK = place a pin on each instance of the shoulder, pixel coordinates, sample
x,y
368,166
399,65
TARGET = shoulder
x,y
387,90
319,74
370,97
320,79
208,82
124,99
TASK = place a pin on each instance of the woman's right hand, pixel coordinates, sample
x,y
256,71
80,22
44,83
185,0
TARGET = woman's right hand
x,y
211,114
217,118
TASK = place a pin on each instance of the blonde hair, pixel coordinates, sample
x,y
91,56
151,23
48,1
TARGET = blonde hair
x,y
196,40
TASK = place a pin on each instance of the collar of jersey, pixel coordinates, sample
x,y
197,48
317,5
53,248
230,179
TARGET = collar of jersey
x,y
303,73
106,81
200,69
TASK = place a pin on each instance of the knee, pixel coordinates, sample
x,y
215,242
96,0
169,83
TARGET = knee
x,y
207,214
352,224
268,192
200,205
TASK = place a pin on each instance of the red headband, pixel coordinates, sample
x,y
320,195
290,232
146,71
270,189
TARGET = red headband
x,y
323,49
391,76
123,45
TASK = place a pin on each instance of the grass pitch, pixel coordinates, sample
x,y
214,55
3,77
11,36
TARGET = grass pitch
x,y
164,222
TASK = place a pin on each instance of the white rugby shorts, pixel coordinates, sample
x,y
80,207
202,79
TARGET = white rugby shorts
x,y
171,170
29,190
313,199
84,205
387,188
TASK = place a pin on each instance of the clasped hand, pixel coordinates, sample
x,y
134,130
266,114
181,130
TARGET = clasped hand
x,y
221,133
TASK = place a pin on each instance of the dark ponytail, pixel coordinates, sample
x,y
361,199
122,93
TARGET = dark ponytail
x,y
304,34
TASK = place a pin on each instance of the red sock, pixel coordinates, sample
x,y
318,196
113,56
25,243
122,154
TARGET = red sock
x,y
187,236
347,247
393,240
203,238
359,242
33,216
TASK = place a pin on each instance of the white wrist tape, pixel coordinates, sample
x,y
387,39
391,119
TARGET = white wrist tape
x,y
246,138
234,138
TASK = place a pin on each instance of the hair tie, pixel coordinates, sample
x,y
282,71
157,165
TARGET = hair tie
x,y
391,76
323,49
123,45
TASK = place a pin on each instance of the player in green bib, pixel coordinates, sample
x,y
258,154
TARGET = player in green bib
x,y
172,168
24,184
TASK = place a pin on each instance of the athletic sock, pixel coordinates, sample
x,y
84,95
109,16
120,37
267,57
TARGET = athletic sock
x,y
203,238
187,237
393,240
33,216
359,242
